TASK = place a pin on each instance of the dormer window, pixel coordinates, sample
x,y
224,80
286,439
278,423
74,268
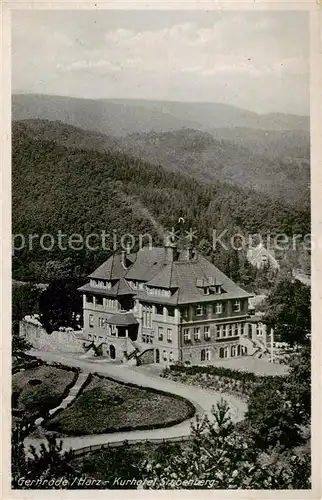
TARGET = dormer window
x,y
160,292
100,284
206,290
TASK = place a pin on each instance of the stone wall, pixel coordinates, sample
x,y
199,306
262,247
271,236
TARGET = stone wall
x,y
59,341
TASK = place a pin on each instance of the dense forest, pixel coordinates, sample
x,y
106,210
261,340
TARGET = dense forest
x,y
79,190
270,162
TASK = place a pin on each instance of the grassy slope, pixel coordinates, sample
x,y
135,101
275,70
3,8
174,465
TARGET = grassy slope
x,y
107,406
36,399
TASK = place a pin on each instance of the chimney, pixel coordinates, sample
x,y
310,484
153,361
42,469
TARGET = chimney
x,y
171,250
188,253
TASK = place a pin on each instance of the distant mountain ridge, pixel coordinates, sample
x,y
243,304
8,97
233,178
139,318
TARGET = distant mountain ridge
x,y
125,116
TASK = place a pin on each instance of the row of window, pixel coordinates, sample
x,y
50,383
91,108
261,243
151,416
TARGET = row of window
x,y
161,292
136,285
161,334
102,323
147,339
199,310
224,352
221,331
147,311
100,284
216,308
99,300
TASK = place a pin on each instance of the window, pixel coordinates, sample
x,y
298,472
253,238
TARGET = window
x,y
237,329
185,313
164,355
147,316
206,290
237,306
218,308
196,333
202,355
218,330
199,310
259,329
186,335
159,309
224,330
233,351
171,356
208,354
230,330
101,322
113,330
206,332
171,311
169,335
111,303
99,300
91,320
89,299
160,333
144,338
89,336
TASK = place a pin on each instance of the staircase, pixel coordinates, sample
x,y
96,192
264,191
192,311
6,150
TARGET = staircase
x,y
261,347
255,348
132,351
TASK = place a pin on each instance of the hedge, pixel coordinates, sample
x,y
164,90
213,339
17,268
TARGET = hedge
x,y
219,371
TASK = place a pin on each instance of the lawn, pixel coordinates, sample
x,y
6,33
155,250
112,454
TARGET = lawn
x,y
36,390
108,406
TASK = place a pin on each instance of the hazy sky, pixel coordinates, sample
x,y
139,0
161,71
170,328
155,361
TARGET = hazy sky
x,y
255,60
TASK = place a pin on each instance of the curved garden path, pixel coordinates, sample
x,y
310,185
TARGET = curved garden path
x,y
202,399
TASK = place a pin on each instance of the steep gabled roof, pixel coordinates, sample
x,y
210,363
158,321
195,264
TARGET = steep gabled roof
x,y
123,288
186,274
147,263
111,269
151,266
255,255
163,278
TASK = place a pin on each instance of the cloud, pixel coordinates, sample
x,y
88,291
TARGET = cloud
x,y
200,57
100,66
